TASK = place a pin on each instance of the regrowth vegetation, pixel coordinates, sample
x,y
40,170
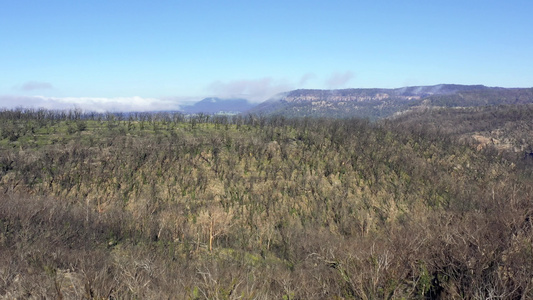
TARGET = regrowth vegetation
x,y
167,206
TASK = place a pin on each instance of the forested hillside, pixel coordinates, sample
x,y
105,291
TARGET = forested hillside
x,y
505,127
378,103
162,206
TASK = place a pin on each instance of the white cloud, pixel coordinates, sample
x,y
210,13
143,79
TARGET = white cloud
x,y
305,78
339,80
36,85
255,90
123,104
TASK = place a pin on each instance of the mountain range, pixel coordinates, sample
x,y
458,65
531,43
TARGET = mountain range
x,y
371,103
215,105
379,103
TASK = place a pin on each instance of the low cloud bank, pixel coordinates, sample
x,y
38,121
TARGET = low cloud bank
x,y
255,90
258,90
122,104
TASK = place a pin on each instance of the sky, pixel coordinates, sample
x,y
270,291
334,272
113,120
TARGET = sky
x,y
115,55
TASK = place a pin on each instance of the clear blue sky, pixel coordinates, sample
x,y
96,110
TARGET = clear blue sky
x,y
154,54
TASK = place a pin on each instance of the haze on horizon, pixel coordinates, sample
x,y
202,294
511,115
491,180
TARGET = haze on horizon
x,y
137,55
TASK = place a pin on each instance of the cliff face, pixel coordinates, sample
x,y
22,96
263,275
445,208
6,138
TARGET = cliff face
x,y
336,98
362,95
379,103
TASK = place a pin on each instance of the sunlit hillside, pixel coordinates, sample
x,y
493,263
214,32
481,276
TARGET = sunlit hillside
x,y
161,205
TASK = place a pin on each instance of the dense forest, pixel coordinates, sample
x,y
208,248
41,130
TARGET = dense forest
x,y
167,206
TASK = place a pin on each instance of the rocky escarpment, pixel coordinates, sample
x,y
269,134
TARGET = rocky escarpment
x,y
379,103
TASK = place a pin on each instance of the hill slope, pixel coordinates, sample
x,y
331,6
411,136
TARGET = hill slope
x,y
379,103
283,207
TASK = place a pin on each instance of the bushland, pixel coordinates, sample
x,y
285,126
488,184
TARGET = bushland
x,y
217,207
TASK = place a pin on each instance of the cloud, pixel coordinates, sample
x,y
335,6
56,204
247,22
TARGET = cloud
x,y
306,78
35,85
339,80
122,104
254,90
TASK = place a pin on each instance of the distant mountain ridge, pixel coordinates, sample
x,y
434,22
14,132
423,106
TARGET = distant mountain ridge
x,y
214,105
375,103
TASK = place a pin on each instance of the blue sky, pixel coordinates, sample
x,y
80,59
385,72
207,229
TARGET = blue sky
x,y
144,55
